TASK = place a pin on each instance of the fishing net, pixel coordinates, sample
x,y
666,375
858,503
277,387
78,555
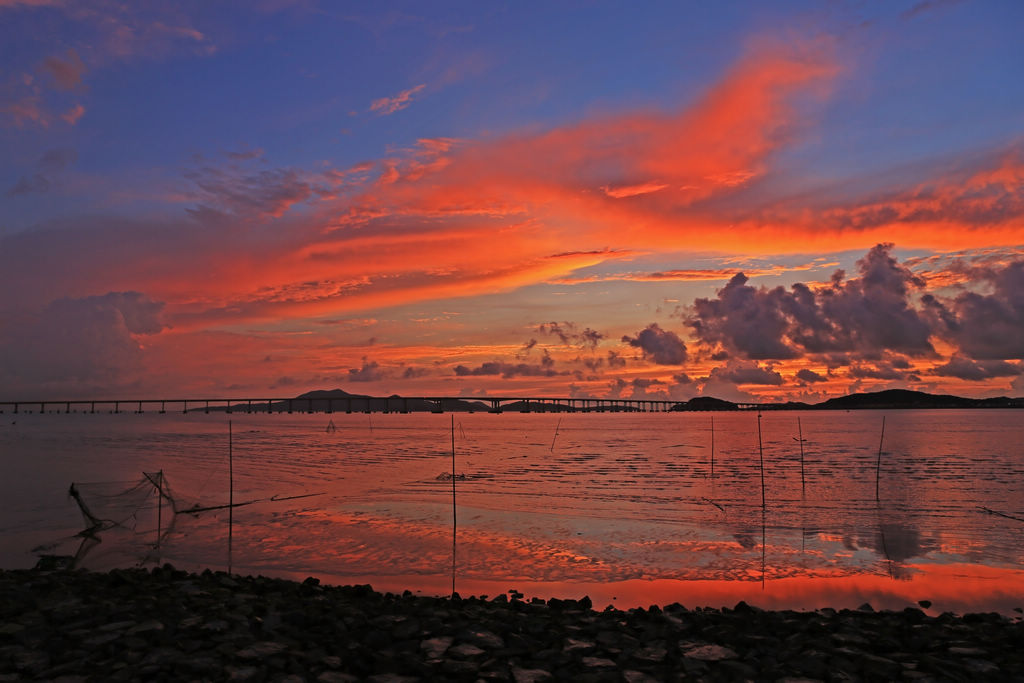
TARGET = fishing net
x,y
114,504
130,518
130,522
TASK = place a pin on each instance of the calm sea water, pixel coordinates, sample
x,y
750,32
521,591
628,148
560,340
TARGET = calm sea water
x,y
623,507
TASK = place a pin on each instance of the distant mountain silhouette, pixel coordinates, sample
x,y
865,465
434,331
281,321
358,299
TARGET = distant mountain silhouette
x,y
706,403
340,400
889,399
904,398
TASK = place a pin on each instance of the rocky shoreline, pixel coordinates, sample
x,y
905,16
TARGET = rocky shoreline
x,y
168,625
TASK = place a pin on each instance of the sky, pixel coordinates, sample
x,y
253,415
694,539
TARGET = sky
x,y
753,201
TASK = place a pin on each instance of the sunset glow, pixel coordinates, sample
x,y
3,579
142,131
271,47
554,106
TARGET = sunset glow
x,y
787,202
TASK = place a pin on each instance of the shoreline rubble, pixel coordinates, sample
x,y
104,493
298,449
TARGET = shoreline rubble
x,y
168,625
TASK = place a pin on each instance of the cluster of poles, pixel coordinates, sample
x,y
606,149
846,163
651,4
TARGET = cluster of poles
x,y
760,446
801,440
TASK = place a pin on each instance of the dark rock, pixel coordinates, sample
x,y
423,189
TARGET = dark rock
x,y
168,625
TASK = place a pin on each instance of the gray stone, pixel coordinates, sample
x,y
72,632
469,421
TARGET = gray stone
x,y
465,651
435,647
651,654
116,626
458,667
146,627
243,674
530,675
101,639
215,626
336,677
709,652
573,644
485,639
980,666
598,663
265,648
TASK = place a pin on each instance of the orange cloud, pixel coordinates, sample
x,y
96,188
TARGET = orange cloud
x,y
72,115
689,274
389,105
624,191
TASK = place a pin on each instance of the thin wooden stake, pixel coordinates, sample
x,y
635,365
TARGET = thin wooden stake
x,y
231,492
712,446
878,462
760,450
800,436
159,506
552,449
764,546
454,524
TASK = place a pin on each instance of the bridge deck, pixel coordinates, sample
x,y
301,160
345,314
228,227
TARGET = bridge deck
x,y
350,404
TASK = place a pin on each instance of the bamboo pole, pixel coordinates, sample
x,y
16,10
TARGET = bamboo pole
x,y
760,450
764,547
231,491
454,524
878,462
800,437
712,446
159,506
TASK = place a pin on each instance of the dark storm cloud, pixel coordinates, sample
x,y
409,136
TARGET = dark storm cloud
x,y
749,321
526,348
989,326
966,368
741,372
570,334
809,376
79,341
858,317
371,371
879,370
660,346
546,368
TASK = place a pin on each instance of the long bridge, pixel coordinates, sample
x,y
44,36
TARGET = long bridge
x,y
361,404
